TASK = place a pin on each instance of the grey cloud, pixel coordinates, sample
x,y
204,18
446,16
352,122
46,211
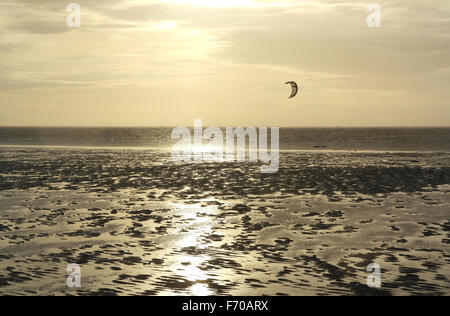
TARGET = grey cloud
x,y
7,47
8,84
341,43
41,27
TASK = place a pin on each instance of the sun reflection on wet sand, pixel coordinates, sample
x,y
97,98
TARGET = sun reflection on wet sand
x,y
189,266
200,289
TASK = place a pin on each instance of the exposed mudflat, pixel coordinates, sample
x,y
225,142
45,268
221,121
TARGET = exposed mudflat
x,y
138,224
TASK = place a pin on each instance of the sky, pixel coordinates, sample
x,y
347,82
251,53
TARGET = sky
x,y
166,63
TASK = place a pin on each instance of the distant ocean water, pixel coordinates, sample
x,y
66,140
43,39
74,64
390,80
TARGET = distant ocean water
x,y
378,139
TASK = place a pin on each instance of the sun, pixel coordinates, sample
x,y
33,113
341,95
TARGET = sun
x,y
215,3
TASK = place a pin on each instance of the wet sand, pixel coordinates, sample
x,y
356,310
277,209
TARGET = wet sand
x,y
138,224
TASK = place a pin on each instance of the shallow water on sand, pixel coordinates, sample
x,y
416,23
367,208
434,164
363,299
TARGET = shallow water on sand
x,y
139,224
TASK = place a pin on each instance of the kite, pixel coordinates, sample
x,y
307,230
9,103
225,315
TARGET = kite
x,y
294,88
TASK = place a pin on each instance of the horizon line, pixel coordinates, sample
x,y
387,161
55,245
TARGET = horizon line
x,y
223,126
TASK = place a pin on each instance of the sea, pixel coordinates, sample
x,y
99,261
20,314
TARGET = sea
x,y
416,139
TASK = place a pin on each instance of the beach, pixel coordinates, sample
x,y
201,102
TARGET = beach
x,y
139,224
232,150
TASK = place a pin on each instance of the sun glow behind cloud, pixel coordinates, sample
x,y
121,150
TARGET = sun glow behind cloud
x,y
215,3
243,3
166,25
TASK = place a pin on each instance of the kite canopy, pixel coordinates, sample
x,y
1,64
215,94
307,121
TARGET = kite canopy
x,y
294,88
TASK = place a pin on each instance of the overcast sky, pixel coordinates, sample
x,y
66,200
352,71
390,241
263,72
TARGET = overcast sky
x,y
165,63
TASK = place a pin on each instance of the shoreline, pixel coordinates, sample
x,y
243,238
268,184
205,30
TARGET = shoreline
x,y
168,149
